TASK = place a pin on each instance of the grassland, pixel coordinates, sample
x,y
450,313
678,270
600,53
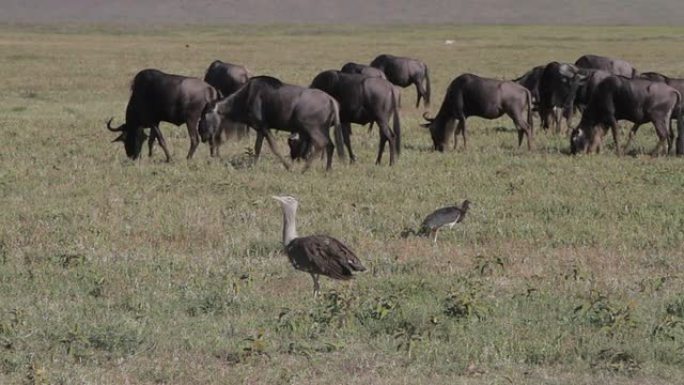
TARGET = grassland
x,y
569,270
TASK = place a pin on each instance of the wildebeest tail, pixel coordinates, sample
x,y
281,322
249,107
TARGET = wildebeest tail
x,y
530,120
339,139
427,86
396,122
680,125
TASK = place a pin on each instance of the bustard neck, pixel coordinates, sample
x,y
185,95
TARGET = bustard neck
x,y
289,224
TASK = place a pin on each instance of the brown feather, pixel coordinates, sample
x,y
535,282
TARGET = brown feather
x,y
321,254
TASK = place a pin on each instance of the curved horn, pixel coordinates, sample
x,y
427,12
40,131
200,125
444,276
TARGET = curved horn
x,y
425,116
109,126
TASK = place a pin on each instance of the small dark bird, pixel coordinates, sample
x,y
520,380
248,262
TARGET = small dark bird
x,y
446,216
315,254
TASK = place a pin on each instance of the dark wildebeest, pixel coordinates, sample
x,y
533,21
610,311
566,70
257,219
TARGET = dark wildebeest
x,y
227,78
403,72
363,69
531,80
557,90
265,102
159,97
614,66
637,100
588,87
471,95
363,100
356,68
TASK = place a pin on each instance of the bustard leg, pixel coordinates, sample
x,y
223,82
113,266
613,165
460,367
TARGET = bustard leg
x,y
317,287
434,241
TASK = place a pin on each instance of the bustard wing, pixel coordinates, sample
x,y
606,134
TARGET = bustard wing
x,y
441,217
321,254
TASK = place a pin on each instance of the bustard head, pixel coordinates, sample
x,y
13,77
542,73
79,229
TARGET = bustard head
x,y
286,201
465,204
289,206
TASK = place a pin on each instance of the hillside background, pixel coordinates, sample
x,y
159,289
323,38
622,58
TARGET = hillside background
x,y
590,12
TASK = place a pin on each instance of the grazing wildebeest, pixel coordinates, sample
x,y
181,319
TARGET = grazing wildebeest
x,y
227,78
637,100
471,95
614,66
159,97
363,69
557,90
403,72
265,102
364,100
531,80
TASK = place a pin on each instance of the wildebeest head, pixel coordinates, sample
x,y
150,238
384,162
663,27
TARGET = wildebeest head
x,y
437,132
210,122
299,148
578,141
572,76
133,138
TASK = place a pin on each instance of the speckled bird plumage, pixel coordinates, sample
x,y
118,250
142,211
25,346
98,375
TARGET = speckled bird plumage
x,y
315,254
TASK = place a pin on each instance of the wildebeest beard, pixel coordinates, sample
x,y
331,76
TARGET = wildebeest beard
x,y
133,141
437,127
132,136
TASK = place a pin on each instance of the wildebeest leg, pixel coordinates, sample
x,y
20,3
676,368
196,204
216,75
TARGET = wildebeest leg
x,y
194,136
316,287
346,134
544,118
523,130
595,140
630,137
381,148
616,137
216,141
420,91
162,142
215,146
461,128
274,148
385,136
661,127
557,115
257,144
320,141
567,114
150,141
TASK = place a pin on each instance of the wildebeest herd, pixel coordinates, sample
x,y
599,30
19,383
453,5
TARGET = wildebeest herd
x,y
602,89
229,99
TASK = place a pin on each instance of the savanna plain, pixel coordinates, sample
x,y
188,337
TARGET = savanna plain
x,y
568,270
